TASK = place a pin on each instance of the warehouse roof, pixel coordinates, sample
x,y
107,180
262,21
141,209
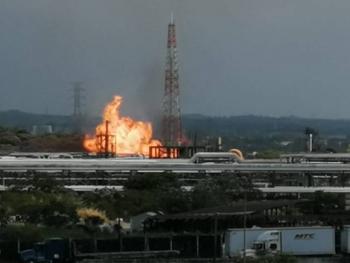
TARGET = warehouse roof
x,y
236,209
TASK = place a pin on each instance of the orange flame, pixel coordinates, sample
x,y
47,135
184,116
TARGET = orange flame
x,y
120,135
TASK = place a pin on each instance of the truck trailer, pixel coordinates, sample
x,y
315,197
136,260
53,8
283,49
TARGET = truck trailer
x,y
345,239
298,241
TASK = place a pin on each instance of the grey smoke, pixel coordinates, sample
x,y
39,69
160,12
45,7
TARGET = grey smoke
x,y
266,57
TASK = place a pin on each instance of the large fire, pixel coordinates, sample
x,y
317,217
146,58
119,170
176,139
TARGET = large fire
x,y
120,135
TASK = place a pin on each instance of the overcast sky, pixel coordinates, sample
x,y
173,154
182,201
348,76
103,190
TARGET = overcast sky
x,y
263,57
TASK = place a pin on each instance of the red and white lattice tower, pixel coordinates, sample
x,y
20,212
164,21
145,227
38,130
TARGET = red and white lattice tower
x,y
171,120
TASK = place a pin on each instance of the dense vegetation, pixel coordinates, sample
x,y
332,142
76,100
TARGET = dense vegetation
x,y
283,258
46,208
46,205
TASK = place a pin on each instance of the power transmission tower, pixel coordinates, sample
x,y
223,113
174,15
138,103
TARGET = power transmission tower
x,y
171,120
78,102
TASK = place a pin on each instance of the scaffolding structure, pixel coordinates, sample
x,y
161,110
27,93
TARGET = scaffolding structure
x,y
171,152
106,143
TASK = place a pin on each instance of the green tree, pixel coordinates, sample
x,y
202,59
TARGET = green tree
x,y
223,190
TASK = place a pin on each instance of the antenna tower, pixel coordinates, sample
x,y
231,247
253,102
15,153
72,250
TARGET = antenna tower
x,y
171,120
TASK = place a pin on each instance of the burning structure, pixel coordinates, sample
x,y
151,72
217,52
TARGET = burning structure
x,y
118,135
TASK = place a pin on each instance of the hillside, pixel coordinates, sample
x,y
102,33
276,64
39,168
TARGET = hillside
x,y
24,120
248,133
259,125
202,125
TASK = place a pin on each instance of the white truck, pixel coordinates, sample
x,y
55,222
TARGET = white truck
x,y
298,241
